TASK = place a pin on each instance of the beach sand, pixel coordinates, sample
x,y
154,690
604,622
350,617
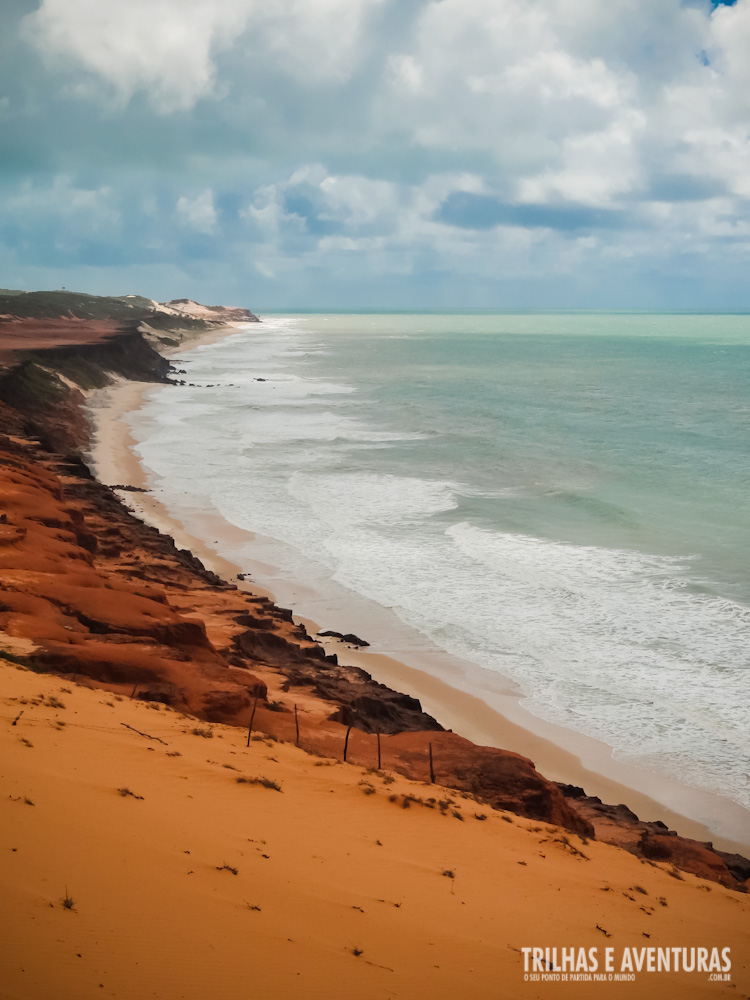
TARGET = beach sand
x,y
559,753
185,883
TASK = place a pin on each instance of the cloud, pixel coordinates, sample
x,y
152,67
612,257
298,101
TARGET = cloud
x,y
476,211
168,48
444,143
198,213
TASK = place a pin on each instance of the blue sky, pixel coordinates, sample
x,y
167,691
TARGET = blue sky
x,y
395,153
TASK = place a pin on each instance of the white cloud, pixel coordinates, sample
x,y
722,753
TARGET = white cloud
x,y
629,117
198,213
82,212
167,48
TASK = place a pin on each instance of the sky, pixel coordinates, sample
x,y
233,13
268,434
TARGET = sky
x,y
379,153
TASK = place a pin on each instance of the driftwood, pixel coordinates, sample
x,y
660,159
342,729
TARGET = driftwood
x,y
133,729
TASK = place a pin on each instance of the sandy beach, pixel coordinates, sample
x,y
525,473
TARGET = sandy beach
x,y
498,719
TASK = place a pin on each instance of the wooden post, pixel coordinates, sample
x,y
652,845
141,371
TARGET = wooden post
x,y
252,716
378,736
296,725
132,693
346,742
432,770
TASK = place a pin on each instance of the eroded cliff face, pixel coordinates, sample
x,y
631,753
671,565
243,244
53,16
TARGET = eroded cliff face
x,y
45,385
89,591
54,345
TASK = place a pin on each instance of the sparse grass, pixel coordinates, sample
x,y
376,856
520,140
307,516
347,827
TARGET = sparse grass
x,y
125,792
173,753
230,767
265,782
605,933
207,734
449,873
357,952
506,818
565,841
227,868
639,888
458,815
27,801
675,872
54,702
367,787
480,815
68,903
26,743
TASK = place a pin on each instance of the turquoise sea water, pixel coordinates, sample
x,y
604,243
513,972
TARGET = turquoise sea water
x,y
560,499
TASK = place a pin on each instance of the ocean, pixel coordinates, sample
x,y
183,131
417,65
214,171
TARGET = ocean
x,y
558,500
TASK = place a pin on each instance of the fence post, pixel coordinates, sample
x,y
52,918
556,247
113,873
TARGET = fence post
x,y
252,716
432,770
346,742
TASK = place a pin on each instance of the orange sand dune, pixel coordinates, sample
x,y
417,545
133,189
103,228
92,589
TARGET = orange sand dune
x,y
197,886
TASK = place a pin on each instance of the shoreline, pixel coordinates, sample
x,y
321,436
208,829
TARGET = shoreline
x,y
558,753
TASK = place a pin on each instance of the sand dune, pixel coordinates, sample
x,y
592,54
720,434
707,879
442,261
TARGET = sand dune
x,y
339,890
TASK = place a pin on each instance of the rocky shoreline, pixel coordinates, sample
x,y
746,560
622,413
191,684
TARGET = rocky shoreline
x,y
92,593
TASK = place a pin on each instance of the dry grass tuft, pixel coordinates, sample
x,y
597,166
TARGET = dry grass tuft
x,y
265,782
125,792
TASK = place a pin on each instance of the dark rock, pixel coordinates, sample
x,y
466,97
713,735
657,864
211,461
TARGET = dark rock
x,y
349,637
